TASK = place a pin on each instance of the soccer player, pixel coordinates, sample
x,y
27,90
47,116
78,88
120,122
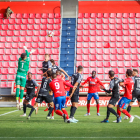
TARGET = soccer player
x,y
136,91
127,97
93,83
55,68
114,88
57,86
23,67
44,95
46,65
30,94
74,93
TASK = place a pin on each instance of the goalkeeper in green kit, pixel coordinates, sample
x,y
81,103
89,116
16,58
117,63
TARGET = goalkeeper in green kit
x,y
23,67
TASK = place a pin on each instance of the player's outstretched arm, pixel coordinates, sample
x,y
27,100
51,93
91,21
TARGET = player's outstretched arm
x,y
67,84
65,73
85,82
28,53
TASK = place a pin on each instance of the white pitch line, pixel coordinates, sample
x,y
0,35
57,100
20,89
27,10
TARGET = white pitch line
x,y
70,137
137,116
8,112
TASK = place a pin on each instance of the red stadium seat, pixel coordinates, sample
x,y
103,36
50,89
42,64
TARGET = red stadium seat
x,y
99,57
100,64
11,77
134,51
106,57
55,51
86,27
120,64
121,51
113,57
125,15
23,27
93,51
132,15
93,15
107,64
44,15
12,58
24,21
12,65
100,71
3,33
79,51
106,21
135,64
25,15
121,70
86,64
41,58
30,27
87,15
37,27
92,58
119,15
127,64
86,57
86,71
51,15
80,21
120,58
5,64
114,51
3,77
106,15
39,77
38,15
36,39
126,45
79,58
34,58
12,71
113,64
32,15
80,15
106,70
115,70
134,58
44,21
93,64
127,58
78,63
57,15
33,65
56,57
38,21
79,45
80,33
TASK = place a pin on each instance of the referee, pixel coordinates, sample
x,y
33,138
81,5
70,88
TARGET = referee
x,y
74,93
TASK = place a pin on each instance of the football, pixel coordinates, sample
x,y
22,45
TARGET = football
x,y
50,33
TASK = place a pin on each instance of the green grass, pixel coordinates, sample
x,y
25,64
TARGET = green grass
x,y
12,125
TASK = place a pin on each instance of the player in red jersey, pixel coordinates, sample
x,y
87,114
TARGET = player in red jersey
x,y
57,86
59,76
127,97
93,89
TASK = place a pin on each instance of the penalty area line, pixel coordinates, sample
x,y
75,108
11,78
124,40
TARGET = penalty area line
x,y
8,112
69,137
137,116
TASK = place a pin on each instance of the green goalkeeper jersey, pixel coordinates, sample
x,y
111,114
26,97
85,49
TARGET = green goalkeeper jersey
x,y
23,65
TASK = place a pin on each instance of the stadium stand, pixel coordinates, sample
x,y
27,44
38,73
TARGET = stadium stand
x,y
111,40
67,55
31,30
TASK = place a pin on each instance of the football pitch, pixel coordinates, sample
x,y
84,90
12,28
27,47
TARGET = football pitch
x,y
12,126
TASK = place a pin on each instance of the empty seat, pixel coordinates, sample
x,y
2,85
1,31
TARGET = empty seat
x,y
93,15
86,71
87,15
86,33
100,71
44,15
11,77
99,57
120,64
56,57
86,57
93,64
127,64
120,57
86,64
100,64
121,70
12,65
25,15
12,71
41,58
33,65
135,64
32,15
57,15
34,58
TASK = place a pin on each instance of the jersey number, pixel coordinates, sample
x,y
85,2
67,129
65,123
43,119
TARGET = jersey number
x,y
57,86
45,84
22,65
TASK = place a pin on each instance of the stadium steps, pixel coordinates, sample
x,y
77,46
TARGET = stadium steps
x,y
68,45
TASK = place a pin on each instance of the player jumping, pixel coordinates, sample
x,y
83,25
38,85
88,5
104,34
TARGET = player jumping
x,y
57,86
114,88
127,97
30,87
44,95
94,83
23,67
